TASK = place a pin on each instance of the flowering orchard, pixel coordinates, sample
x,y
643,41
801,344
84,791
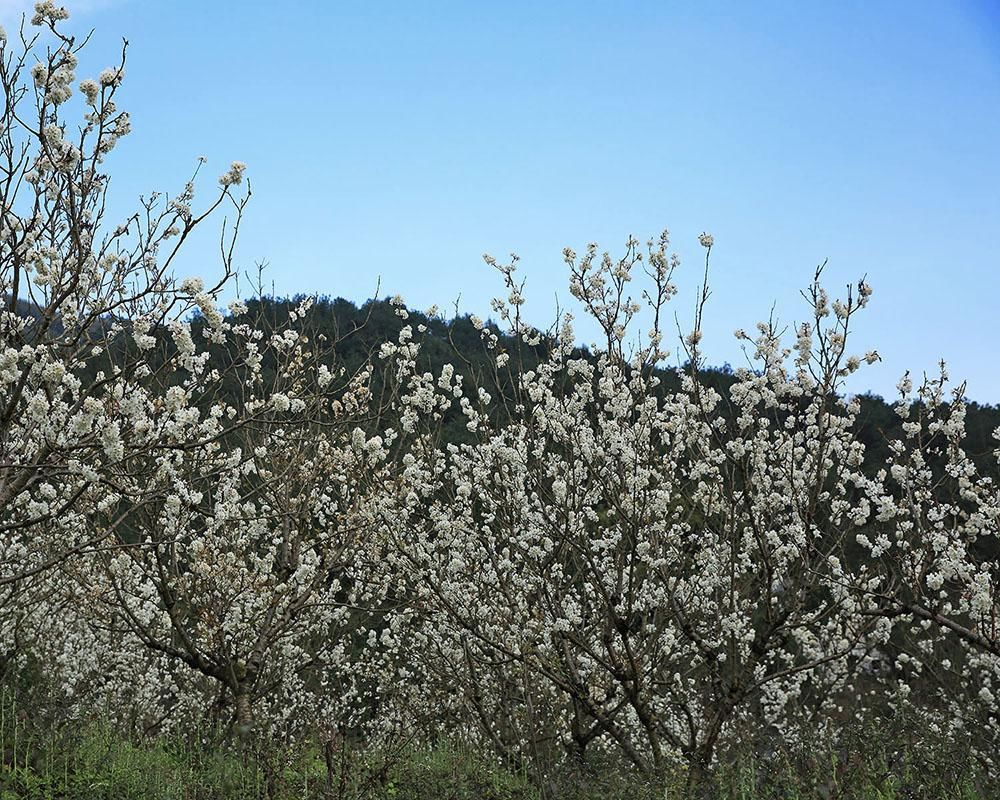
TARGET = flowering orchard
x,y
664,572
206,518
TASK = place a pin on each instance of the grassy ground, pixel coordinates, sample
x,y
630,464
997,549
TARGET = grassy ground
x,y
97,763
41,760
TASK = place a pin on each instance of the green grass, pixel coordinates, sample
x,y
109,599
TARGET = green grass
x,y
96,763
40,760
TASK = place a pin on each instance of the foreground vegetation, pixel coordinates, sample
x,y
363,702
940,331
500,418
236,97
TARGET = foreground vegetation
x,y
98,762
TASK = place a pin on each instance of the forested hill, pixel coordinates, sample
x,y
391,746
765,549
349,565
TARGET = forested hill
x,y
361,330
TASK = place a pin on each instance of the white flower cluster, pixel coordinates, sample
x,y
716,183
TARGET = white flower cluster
x,y
48,13
234,175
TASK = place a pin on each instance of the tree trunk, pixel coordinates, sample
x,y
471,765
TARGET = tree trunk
x,y
244,714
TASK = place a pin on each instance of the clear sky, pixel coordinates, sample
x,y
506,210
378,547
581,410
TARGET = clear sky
x,y
403,140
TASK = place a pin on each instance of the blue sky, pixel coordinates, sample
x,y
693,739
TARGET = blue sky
x,y
403,140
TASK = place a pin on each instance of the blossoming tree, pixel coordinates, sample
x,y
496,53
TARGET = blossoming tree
x,y
73,288
664,566
933,545
184,498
